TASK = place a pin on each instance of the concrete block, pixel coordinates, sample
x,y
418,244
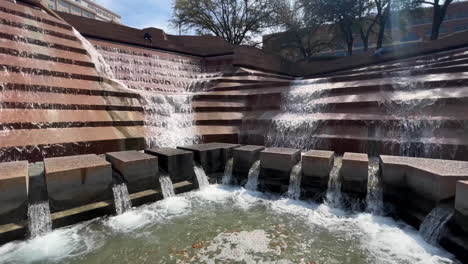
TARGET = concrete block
x,y
139,170
244,158
14,184
316,167
178,163
461,205
77,180
212,156
355,172
275,168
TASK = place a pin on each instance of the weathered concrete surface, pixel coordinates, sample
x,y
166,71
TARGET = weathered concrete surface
x,y
419,182
244,158
316,167
178,163
355,173
461,205
14,183
275,168
139,170
77,180
211,156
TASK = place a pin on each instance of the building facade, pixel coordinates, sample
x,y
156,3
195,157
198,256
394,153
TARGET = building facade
x,y
85,8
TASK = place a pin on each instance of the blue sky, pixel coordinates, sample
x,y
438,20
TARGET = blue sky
x,y
142,13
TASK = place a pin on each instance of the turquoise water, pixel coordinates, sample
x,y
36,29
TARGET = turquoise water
x,y
230,225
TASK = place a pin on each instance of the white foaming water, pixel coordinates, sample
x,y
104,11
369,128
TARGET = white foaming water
x,y
39,219
227,176
166,185
122,200
334,196
202,179
433,225
374,198
294,188
252,180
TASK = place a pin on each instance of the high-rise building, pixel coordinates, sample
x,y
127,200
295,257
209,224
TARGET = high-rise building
x,y
86,8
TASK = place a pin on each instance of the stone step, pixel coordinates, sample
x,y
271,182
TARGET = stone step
x,y
20,24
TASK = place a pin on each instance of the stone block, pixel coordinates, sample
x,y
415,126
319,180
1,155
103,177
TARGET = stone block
x,y
461,205
275,168
211,156
316,167
354,173
178,163
139,170
14,184
244,158
77,180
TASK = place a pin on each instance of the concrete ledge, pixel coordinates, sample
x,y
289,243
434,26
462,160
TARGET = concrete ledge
x,y
178,163
316,167
355,172
275,168
244,158
212,156
77,180
139,170
14,185
461,205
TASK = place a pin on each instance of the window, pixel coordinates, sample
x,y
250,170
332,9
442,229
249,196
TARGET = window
x,y
76,9
88,14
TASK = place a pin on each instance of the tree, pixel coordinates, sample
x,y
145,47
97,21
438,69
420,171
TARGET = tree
x,y
367,20
383,8
439,10
237,21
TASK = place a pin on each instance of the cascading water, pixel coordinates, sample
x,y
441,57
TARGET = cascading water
x,y
433,225
227,177
374,198
201,176
122,200
294,189
39,219
252,180
166,185
334,196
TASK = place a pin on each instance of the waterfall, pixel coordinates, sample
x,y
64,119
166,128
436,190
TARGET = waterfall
x,y
166,185
374,196
294,189
39,219
252,180
433,225
122,200
201,176
334,197
227,177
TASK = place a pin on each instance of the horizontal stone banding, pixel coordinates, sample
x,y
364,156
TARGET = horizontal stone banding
x,y
67,116
42,43
35,18
43,72
8,126
20,105
39,56
9,23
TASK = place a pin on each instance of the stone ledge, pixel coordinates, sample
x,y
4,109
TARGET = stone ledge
x,y
244,157
355,173
14,186
280,159
178,163
461,205
77,180
139,170
316,167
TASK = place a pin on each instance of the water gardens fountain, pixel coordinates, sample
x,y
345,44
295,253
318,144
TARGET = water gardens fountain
x,y
105,139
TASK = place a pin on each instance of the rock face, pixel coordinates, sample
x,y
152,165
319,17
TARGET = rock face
x,y
355,174
178,163
77,180
244,158
14,183
316,167
139,170
275,168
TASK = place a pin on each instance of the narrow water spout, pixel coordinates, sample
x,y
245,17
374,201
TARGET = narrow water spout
x,y
227,177
334,196
166,185
433,225
374,198
121,198
201,176
252,180
39,219
294,189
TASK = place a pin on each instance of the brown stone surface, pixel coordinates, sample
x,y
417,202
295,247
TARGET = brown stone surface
x,y
281,159
461,205
178,163
77,180
13,190
317,163
355,173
